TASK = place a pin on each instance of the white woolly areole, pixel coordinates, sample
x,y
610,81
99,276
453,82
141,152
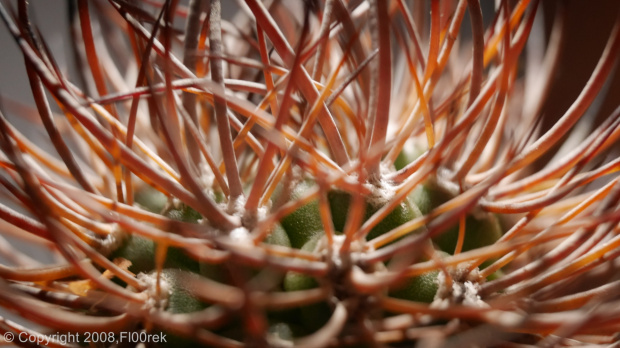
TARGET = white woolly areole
x,y
250,218
206,178
177,203
241,235
464,290
262,212
236,206
380,194
322,247
113,241
149,281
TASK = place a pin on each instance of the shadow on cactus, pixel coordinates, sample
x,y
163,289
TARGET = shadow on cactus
x,y
310,174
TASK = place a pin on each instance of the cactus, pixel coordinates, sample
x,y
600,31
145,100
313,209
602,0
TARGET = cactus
x,y
312,174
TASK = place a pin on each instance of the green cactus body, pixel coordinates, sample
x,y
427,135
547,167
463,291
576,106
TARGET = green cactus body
x,y
420,289
151,199
278,236
409,153
313,316
184,214
402,213
141,252
294,281
479,232
180,299
305,222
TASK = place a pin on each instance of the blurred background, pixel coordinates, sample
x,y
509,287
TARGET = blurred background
x,y
589,24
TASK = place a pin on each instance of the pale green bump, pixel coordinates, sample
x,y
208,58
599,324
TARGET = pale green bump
x,y
402,213
421,288
185,213
141,252
340,201
278,236
479,231
294,281
428,197
315,315
305,222
151,199
180,299
409,153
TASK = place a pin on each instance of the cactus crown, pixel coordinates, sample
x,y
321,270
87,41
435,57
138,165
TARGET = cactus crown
x,y
317,173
